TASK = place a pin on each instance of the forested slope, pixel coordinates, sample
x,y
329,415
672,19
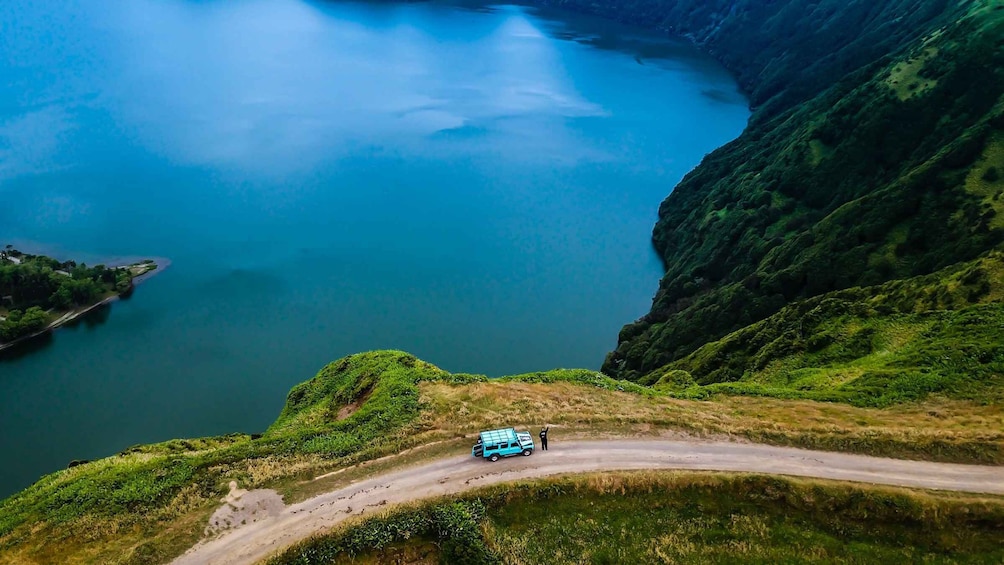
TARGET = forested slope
x,y
873,155
785,51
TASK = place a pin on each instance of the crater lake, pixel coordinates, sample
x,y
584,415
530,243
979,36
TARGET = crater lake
x,y
475,184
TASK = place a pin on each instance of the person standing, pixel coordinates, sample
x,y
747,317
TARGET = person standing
x,y
543,437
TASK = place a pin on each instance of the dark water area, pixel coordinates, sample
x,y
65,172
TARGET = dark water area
x,y
475,184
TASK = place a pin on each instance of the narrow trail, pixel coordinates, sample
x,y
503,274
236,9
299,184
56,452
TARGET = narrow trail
x,y
283,526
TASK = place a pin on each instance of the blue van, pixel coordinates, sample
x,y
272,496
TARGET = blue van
x,y
507,442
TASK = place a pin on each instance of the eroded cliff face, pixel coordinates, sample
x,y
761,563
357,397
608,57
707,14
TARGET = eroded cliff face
x,y
868,158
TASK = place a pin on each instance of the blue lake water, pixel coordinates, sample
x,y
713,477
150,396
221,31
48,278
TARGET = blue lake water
x,y
475,184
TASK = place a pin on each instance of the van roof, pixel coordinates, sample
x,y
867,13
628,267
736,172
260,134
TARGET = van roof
x,y
498,436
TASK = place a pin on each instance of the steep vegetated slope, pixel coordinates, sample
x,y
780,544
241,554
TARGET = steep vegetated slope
x,y
874,155
784,52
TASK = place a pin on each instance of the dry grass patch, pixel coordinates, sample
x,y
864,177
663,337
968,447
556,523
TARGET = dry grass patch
x,y
938,429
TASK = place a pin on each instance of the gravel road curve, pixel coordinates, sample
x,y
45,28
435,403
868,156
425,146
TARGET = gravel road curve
x,y
281,528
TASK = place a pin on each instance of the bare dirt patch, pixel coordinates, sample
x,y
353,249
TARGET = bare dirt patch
x,y
351,408
242,507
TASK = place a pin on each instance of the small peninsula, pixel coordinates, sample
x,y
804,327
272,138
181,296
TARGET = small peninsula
x,y
39,293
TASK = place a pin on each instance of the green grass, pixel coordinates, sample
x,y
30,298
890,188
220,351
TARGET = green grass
x,y
890,169
145,488
151,502
680,518
876,346
358,408
986,180
905,78
579,376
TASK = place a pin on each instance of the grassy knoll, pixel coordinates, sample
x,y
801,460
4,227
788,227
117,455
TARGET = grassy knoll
x,y
151,502
673,517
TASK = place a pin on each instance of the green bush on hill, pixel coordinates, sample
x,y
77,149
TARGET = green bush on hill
x,y
579,376
456,527
18,324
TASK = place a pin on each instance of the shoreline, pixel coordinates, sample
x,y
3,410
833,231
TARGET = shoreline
x,y
159,265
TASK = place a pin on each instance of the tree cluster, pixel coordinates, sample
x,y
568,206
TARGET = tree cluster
x,y
33,285
20,324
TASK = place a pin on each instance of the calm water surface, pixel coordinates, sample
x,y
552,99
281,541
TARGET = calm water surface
x,y
474,184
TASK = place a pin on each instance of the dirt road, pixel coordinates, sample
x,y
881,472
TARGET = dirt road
x,y
283,526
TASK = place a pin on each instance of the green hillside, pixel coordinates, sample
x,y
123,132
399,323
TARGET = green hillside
x,y
869,346
869,159
150,503
847,248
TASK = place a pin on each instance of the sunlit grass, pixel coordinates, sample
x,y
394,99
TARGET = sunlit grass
x,y
905,78
154,500
680,517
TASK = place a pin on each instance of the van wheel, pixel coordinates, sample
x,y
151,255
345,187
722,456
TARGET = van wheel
x,y
526,452
494,457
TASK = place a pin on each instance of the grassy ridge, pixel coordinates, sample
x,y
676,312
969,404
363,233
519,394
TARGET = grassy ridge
x,y
150,503
680,518
875,346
